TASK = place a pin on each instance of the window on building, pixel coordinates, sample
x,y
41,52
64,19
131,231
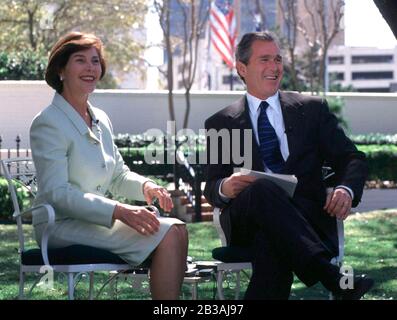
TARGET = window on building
x,y
373,90
358,59
336,76
226,79
372,75
336,60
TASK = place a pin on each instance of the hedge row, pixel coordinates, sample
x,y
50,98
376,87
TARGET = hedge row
x,y
141,140
374,138
6,207
382,162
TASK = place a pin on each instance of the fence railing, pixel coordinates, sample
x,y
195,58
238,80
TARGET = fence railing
x,y
13,152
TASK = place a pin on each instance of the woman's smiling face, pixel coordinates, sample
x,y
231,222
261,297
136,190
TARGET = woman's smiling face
x,y
82,72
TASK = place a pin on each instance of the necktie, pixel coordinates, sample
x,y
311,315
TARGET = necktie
x,y
268,142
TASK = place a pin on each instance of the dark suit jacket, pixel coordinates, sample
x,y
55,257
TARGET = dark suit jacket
x,y
314,137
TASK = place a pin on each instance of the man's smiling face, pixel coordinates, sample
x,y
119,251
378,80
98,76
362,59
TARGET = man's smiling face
x,y
264,70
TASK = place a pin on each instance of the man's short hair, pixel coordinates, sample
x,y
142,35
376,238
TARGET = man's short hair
x,y
243,52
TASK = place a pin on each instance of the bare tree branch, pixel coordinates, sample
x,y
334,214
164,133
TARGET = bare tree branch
x,y
324,26
195,17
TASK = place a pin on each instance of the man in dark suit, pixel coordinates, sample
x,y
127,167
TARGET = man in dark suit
x,y
291,134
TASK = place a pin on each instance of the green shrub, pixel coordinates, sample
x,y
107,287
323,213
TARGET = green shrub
x,y
382,161
374,138
24,65
381,157
336,105
377,148
6,206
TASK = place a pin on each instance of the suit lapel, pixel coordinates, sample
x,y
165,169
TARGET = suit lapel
x,y
60,103
294,125
242,120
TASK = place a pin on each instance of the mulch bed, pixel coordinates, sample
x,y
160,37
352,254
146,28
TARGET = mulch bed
x,y
379,184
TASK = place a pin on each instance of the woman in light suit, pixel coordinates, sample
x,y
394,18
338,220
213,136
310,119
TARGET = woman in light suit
x,y
77,162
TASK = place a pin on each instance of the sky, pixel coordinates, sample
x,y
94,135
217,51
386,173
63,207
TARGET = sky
x,y
365,26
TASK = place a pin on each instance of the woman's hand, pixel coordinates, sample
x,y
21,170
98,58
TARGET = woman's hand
x,y
152,191
139,218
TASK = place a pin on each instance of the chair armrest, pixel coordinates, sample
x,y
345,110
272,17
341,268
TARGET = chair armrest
x,y
153,209
341,240
50,224
341,237
218,227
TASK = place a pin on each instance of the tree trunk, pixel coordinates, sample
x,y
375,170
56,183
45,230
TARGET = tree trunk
x,y
187,112
294,78
32,39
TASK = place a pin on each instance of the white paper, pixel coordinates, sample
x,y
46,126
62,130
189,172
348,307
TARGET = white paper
x,y
286,182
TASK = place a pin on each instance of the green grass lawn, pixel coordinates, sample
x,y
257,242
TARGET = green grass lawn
x,y
371,248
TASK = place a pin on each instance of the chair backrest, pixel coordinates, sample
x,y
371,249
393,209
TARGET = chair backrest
x,y
217,223
19,173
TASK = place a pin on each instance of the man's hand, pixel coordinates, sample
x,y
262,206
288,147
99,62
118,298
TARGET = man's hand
x,y
232,186
339,203
152,190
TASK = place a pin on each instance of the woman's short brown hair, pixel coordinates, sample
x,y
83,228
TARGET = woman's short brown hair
x,y
64,48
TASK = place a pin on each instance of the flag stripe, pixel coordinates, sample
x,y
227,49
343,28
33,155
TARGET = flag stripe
x,y
222,46
223,30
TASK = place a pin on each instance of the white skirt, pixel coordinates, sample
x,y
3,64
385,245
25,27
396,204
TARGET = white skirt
x,y
121,239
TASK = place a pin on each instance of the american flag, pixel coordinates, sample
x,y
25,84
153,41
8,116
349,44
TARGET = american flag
x,y
223,29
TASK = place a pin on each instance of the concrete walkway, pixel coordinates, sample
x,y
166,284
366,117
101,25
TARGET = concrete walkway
x,y
377,199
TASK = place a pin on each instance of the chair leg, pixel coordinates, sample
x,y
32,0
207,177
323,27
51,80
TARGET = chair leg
x,y
219,285
237,290
113,285
21,285
194,291
332,296
337,262
91,290
70,285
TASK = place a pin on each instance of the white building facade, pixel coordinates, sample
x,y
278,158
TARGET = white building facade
x,y
364,69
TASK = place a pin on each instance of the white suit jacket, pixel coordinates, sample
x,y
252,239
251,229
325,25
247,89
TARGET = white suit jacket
x,y
76,165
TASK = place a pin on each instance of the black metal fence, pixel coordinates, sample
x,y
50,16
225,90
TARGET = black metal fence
x,y
14,152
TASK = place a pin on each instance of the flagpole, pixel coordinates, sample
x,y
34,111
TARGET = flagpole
x,y
326,84
231,79
237,12
209,58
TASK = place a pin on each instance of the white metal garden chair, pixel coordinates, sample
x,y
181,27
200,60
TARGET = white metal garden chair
x,y
74,261
229,260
